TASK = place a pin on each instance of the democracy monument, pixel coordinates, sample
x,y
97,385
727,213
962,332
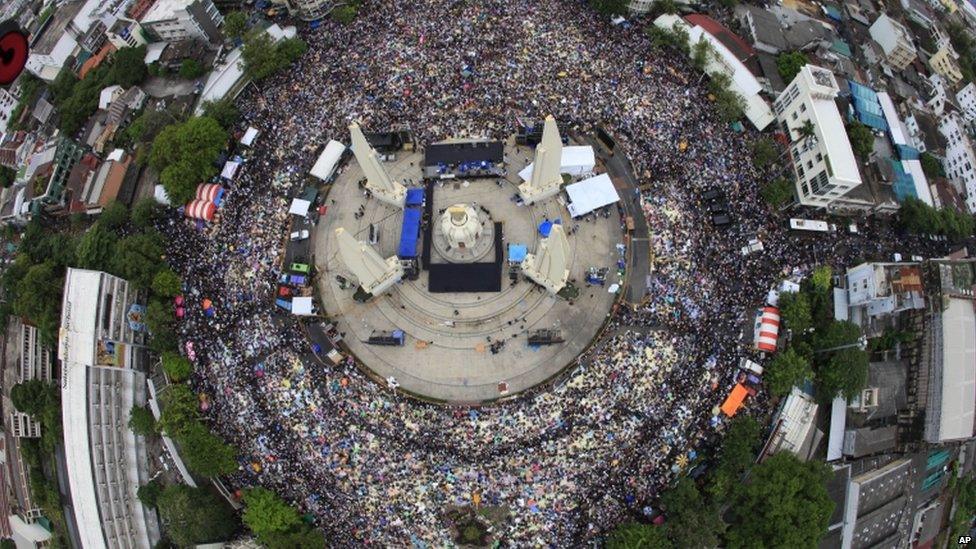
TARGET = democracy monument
x,y
460,272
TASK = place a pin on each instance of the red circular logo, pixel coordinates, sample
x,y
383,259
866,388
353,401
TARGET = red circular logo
x,y
13,52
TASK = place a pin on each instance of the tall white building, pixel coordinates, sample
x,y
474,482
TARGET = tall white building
x,y
960,160
824,165
895,41
178,20
34,363
966,97
8,102
102,363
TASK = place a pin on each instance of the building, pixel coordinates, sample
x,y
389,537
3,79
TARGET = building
x,y
794,427
125,33
960,160
824,164
309,10
66,155
103,360
763,28
8,102
55,44
732,56
34,362
895,41
943,62
966,97
876,292
949,351
176,20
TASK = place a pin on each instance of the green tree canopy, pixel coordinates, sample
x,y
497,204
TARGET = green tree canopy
x,y
265,513
345,14
204,452
145,212
764,152
129,66
32,396
786,369
783,504
789,64
235,24
195,515
261,57
634,535
844,373
794,308
162,325
822,279
166,283
96,248
184,155
223,111
738,453
138,258
291,49
148,493
148,125
691,520
141,421
180,408
191,69
932,166
862,139
114,215
176,367
7,176
778,192
39,298
609,7
837,333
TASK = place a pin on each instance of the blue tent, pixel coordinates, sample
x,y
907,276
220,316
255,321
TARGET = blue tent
x,y
415,197
410,233
516,252
545,227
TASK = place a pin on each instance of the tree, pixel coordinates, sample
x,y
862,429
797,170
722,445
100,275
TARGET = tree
x,y
184,155
789,64
129,66
39,299
634,535
223,111
180,408
167,283
191,69
807,130
145,212
778,192
845,373
931,165
786,370
609,8
345,14
31,397
96,248
700,53
862,139
784,504
794,308
822,278
303,536
161,323
114,215
837,333
691,521
148,125
265,513
149,493
235,23
669,7
204,452
138,258
63,86
195,515
292,48
737,455
7,176
261,56
176,367
764,152
141,421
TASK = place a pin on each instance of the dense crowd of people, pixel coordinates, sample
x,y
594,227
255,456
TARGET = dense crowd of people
x,y
565,463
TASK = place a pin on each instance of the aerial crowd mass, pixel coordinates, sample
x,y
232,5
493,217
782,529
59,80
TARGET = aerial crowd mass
x,y
567,461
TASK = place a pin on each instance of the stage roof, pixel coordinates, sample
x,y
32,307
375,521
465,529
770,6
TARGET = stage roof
x,y
591,194
299,207
328,160
456,153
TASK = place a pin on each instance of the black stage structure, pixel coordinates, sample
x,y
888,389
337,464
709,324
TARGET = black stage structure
x,y
469,159
459,277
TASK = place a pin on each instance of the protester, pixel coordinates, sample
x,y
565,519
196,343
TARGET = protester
x,y
569,461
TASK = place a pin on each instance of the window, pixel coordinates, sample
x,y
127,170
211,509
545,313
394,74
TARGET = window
x,y
793,116
803,107
819,158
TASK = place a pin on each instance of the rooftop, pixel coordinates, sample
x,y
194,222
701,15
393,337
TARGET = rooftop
x,y
43,43
163,9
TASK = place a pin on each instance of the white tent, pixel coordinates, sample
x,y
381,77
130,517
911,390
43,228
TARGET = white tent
x,y
230,169
591,194
326,164
299,207
574,161
159,193
249,136
301,306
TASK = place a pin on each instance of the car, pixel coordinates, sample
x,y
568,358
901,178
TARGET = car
x,y
721,220
284,291
754,245
300,268
712,194
374,234
299,235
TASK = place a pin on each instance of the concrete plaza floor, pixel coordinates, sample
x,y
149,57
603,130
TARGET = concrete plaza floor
x,y
447,354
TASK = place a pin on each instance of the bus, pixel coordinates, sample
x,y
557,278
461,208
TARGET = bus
x,y
811,225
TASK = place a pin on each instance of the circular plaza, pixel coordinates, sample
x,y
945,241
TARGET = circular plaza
x,y
470,326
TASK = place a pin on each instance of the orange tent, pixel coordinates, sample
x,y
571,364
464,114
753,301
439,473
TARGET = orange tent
x,y
735,399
